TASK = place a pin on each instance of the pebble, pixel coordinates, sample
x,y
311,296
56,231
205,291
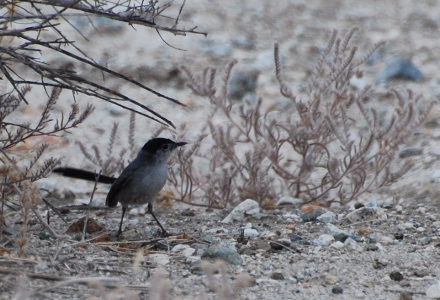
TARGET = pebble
x,y
247,207
330,279
366,214
405,296
324,240
286,201
351,244
337,290
396,276
433,291
217,230
184,250
262,245
242,85
226,254
372,203
250,233
44,235
400,68
425,240
277,276
337,245
410,151
327,217
337,233
399,236
159,259
313,214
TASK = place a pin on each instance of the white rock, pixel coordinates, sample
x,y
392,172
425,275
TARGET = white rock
x,y
380,247
249,232
327,217
286,200
333,230
247,207
184,250
366,214
351,244
435,176
433,291
337,245
217,230
179,248
324,240
408,225
159,259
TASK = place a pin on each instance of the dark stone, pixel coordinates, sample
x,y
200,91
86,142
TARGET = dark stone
x,y
396,276
277,276
337,290
398,236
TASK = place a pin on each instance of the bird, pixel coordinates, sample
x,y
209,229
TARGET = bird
x,y
140,182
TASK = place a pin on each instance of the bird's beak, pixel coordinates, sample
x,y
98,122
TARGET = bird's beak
x,y
180,144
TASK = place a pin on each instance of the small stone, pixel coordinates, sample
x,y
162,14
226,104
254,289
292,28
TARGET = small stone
x,y
337,233
276,246
226,254
398,236
337,289
410,151
405,296
277,276
366,214
287,201
184,250
379,264
44,235
196,268
425,240
313,214
372,238
396,276
400,68
372,203
337,245
421,273
324,240
330,279
242,84
247,207
249,233
295,238
159,259
217,230
351,244
433,291
263,245
358,205
327,217
372,248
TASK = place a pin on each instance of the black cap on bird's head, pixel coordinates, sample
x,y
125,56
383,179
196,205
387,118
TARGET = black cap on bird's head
x,y
156,144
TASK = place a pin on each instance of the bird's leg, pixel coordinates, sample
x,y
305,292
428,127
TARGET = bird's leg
x,y
120,224
150,210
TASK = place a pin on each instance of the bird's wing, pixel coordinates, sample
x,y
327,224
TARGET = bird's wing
x,y
116,187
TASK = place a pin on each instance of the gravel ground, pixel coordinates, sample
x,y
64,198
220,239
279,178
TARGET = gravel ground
x,y
391,251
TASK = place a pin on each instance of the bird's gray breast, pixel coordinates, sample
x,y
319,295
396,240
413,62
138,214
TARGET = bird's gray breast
x,y
144,185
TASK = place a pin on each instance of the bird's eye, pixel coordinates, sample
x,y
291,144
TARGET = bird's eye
x,y
165,146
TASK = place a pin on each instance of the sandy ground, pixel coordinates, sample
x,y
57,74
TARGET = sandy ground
x,y
247,31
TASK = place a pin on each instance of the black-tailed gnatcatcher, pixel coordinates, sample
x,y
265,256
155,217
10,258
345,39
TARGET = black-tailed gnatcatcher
x,y
140,181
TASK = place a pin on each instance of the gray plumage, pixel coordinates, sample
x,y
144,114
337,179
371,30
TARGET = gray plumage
x,y
143,178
